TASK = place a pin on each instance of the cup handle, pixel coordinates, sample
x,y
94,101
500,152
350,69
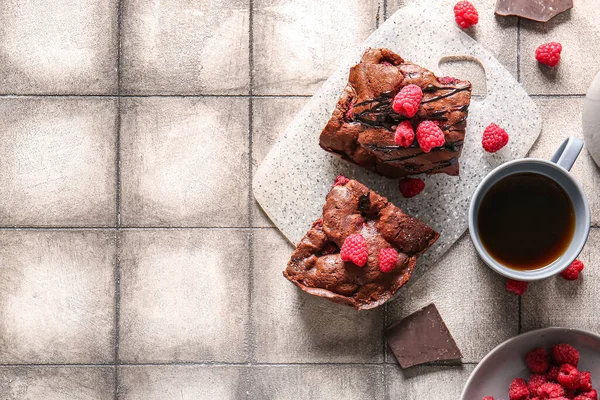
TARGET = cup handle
x,y
567,153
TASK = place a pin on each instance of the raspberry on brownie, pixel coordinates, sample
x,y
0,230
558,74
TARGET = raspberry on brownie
x,y
353,213
375,102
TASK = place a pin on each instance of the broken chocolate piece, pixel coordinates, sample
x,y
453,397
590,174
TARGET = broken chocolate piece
x,y
422,337
537,10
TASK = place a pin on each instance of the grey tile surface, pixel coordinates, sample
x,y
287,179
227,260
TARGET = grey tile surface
x,y
58,165
184,296
57,296
219,313
418,383
56,383
557,302
184,162
185,47
298,44
319,382
58,47
271,116
562,118
577,31
470,298
497,34
292,326
183,382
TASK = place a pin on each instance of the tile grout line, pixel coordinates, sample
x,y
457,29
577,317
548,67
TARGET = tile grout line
x,y
383,345
118,205
251,338
117,309
520,326
150,228
518,49
519,308
225,364
385,323
130,228
242,96
386,390
59,95
385,10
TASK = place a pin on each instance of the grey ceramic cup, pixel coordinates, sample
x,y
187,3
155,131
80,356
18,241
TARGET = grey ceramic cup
x,y
556,169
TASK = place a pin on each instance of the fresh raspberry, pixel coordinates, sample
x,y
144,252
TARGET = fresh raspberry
x,y
592,394
410,187
350,112
548,53
550,391
405,134
355,250
407,100
387,259
447,80
569,393
341,180
572,271
429,135
585,381
518,390
552,374
565,354
465,14
488,398
494,138
535,381
537,360
568,376
581,397
517,287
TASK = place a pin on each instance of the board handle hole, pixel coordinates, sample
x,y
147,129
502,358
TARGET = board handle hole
x,y
466,68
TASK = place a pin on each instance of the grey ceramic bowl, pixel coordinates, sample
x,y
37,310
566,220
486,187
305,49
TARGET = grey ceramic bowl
x,y
507,361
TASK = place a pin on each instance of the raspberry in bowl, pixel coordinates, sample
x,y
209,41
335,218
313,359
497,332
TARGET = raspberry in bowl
x,y
541,364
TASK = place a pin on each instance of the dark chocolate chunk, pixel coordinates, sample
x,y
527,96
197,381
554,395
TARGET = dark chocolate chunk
x,y
537,10
364,203
421,337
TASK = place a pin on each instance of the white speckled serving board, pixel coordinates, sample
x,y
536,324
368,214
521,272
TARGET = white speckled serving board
x,y
293,180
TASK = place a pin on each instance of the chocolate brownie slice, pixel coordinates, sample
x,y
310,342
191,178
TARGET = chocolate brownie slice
x,y
362,126
317,267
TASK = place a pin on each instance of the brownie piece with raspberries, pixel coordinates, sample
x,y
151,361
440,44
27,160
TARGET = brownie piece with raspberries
x,y
316,266
362,127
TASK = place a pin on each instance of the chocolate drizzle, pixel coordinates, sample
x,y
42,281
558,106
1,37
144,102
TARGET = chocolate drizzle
x,y
380,114
440,165
452,146
447,94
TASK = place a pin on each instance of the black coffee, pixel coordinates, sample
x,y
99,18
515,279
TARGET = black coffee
x,y
526,221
